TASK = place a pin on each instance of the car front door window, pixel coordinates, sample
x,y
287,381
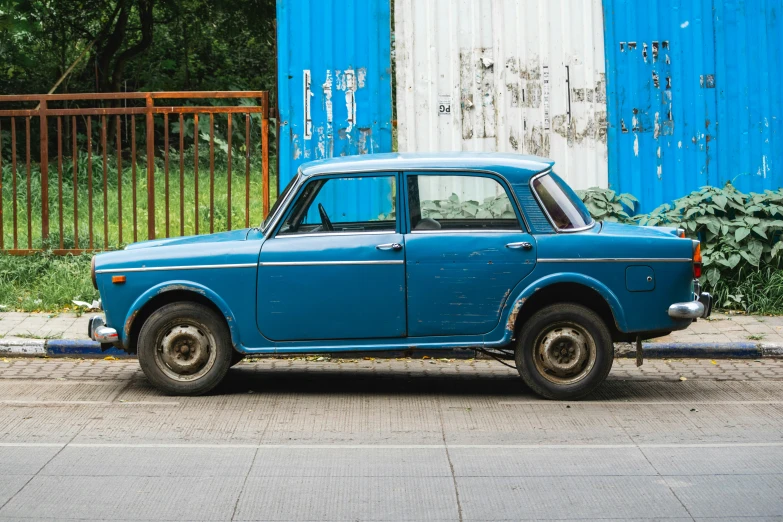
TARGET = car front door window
x,y
345,204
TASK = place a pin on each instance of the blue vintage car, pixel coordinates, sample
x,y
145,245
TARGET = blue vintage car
x,y
398,251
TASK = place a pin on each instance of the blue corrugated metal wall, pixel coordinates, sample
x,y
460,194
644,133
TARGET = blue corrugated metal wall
x,y
334,81
694,96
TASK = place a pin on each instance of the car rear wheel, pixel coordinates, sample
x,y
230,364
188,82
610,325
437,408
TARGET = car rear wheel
x,y
564,352
185,349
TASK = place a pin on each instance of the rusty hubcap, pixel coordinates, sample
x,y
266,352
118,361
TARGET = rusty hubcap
x,y
186,352
564,353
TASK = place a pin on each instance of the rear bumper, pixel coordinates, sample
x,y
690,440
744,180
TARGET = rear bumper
x,y
696,309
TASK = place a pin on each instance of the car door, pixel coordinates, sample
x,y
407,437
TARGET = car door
x,y
466,247
334,268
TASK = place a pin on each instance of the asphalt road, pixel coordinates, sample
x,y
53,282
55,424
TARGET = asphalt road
x,y
390,440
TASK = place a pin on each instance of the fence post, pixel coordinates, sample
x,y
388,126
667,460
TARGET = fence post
x,y
265,152
44,173
150,168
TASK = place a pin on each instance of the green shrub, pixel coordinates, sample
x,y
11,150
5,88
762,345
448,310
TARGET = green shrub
x,y
737,230
453,208
739,236
608,205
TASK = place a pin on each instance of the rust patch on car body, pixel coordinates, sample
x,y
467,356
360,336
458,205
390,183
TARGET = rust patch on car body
x,y
512,317
129,323
186,288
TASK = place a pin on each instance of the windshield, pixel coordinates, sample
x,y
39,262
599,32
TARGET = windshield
x,y
276,207
561,203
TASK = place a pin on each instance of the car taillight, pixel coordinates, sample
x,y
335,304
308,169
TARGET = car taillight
x,y
681,232
697,259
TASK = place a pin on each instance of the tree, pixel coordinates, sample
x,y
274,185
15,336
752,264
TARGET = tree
x,y
136,44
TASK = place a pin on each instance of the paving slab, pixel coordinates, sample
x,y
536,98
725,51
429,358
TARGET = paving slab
x,y
143,498
301,440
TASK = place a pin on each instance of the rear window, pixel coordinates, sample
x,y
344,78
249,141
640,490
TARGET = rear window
x,y
561,203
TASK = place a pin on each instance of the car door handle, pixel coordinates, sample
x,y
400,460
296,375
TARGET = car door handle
x,y
389,246
522,244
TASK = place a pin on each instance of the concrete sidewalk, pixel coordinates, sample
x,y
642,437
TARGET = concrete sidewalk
x,y
719,329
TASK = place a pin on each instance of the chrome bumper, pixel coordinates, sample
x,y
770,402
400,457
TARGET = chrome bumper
x,y
700,308
98,331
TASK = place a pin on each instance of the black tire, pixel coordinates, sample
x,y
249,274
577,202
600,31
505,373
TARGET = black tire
x,y
185,349
236,358
564,352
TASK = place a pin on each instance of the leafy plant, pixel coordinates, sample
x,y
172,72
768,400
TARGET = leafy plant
x,y
608,205
736,230
453,208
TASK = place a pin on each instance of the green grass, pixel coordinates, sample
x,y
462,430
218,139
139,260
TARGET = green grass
x,y
195,212
755,291
44,282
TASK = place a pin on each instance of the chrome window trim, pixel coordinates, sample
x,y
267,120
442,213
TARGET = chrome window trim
x,y
546,212
304,179
325,234
183,267
283,206
406,171
471,231
316,263
614,260
508,187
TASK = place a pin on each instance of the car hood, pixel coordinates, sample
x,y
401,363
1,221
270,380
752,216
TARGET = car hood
x,y
233,235
619,229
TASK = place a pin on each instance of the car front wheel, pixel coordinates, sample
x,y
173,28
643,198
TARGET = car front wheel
x,y
185,349
564,351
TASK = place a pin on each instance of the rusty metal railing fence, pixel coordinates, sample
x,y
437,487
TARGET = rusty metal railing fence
x,y
91,189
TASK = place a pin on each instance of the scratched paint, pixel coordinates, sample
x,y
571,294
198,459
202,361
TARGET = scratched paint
x,y
523,76
694,96
334,80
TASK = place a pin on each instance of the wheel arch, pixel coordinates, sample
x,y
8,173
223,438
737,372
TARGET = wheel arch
x,y
571,288
171,292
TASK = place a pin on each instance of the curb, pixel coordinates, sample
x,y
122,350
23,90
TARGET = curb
x,y
19,346
80,348
738,350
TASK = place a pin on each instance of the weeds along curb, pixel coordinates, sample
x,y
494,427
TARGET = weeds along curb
x,y
740,350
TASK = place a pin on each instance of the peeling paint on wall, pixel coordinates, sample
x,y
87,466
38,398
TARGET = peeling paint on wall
x,y
507,65
713,80
334,99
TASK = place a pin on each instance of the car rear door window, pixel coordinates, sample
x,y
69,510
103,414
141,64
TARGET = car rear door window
x,y
459,202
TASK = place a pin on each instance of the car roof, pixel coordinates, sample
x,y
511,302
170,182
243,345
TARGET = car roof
x,y
515,167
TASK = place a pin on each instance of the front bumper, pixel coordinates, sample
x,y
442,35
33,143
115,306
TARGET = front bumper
x,y
98,331
701,307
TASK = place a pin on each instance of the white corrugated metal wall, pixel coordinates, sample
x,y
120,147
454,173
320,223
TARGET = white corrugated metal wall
x,y
522,76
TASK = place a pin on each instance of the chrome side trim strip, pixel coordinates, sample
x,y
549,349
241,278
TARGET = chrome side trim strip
x,y
329,234
316,263
186,267
614,260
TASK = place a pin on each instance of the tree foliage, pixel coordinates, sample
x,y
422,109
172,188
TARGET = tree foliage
x,y
136,45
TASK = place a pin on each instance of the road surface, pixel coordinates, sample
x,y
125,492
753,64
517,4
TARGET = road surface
x,y
390,440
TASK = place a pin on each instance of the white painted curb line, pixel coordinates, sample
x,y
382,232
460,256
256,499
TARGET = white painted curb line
x,y
21,346
772,349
